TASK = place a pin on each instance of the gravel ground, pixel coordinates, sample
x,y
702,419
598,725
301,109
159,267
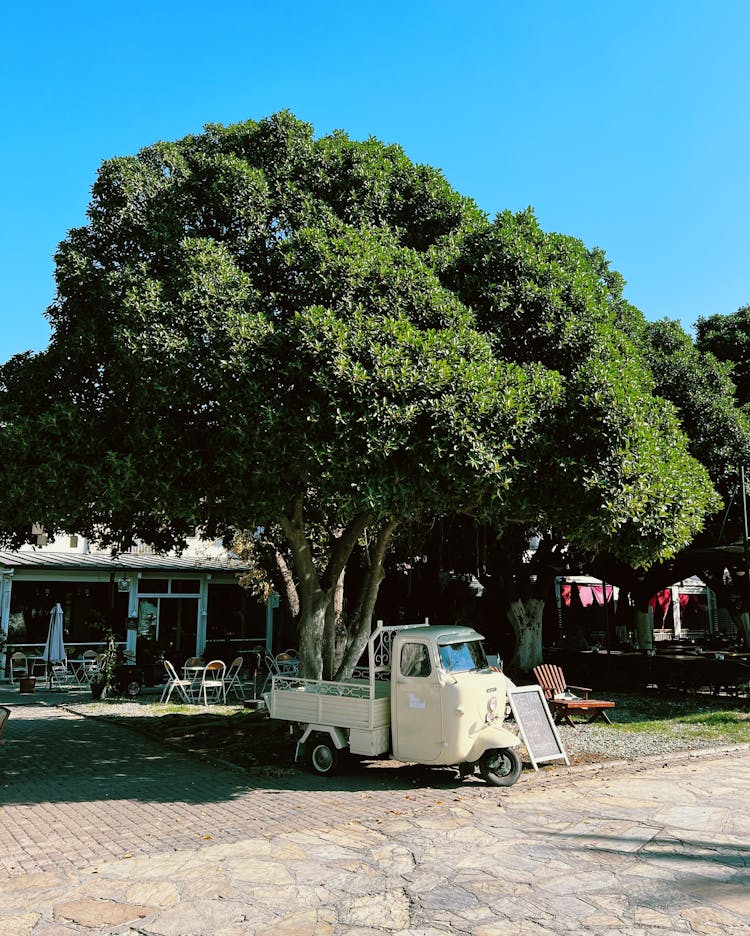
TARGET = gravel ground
x,y
605,744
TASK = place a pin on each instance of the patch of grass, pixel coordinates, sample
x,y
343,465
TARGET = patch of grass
x,y
720,719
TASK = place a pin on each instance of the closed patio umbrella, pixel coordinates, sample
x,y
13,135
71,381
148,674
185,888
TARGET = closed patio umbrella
x,y
54,649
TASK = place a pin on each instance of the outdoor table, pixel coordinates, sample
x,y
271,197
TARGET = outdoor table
x,y
37,666
77,666
194,674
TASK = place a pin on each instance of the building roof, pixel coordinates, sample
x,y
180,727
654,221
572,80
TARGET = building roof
x,y
98,561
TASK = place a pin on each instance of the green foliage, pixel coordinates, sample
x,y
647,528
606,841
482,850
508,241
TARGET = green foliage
x,y
104,678
727,337
544,297
701,388
614,473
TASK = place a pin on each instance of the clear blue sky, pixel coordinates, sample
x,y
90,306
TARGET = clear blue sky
x,y
624,122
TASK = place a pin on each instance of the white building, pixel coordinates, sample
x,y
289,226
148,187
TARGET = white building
x,y
182,602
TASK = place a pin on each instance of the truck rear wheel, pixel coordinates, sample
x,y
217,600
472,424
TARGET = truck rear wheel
x,y
500,767
324,756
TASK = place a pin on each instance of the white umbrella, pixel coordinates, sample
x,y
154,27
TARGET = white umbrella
x,y
54,649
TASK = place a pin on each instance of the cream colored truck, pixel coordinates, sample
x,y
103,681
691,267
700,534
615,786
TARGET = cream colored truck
x,y
427,696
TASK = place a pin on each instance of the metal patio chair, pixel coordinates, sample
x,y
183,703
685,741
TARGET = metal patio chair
x,y
212,682
19,666
283,664
174,682
232,682
60,677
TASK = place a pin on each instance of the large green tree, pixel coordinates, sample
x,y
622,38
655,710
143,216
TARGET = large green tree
x,y
317,339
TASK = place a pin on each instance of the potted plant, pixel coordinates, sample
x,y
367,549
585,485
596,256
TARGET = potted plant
x,y
115,675
103,679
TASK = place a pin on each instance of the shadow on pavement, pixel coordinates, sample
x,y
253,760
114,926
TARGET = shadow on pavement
x,y
51,755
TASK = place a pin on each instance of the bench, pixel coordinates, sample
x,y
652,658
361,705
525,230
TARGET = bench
x,y
564,701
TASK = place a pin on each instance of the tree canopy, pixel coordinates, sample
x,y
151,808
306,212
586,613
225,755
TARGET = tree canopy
x,y
259,329
618,476
727,337
702,390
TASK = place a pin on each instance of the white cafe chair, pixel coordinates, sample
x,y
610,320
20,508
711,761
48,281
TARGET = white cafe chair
x,y
89,666
60,677
184,687
283,664
19,666
232,681
212,682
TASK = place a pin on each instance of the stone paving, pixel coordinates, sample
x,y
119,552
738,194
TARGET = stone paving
x,y
103,830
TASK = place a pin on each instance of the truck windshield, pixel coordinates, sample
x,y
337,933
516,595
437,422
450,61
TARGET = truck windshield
x,y
463,657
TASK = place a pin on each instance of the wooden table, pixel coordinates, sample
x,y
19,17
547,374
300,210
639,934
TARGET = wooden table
x,y
195,675
563,708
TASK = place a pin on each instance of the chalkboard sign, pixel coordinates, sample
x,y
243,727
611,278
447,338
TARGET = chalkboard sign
x,y
536,724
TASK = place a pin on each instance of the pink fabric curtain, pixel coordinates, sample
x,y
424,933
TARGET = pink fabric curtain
x,y
597,590
586,595
663,600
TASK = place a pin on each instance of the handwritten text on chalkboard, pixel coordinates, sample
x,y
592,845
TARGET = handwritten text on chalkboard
x,y
536,725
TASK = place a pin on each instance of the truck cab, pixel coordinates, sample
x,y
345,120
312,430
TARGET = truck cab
x,y
444,696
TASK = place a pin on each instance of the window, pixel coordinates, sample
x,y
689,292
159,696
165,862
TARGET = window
x,y
464,657
150,586
191,586
415,660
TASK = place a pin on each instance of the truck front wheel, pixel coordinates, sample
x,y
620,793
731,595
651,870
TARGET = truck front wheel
x,y
500,767
324,757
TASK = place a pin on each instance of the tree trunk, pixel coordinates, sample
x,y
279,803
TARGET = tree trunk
x,y
644,631
311,627
316,591
313,599
283,579
334,611
745,624
526,619
362,619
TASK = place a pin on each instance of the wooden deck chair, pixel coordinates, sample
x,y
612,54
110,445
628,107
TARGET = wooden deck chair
x,y
564,700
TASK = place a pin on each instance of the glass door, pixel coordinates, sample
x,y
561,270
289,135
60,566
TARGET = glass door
x,y
148,617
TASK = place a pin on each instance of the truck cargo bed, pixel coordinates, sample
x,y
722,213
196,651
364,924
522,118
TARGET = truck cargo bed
x,y
350,704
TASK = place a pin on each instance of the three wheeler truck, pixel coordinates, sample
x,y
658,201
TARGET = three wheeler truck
x,y
426,695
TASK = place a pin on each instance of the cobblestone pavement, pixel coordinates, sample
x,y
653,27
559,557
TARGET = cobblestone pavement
x,y
103,830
